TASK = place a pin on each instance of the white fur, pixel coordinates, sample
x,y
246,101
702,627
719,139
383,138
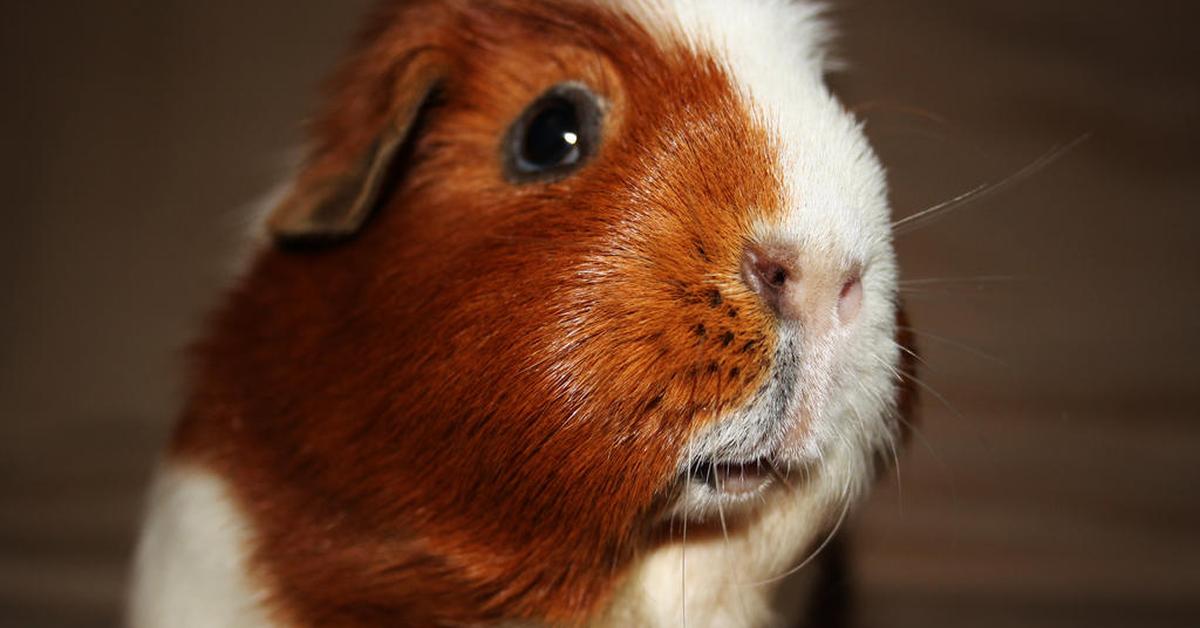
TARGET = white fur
x,y
836,190
190,568
774,50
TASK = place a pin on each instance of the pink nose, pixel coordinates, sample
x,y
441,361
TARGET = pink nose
x,y
809,291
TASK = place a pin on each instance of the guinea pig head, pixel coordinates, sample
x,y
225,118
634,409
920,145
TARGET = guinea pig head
x,y
556,278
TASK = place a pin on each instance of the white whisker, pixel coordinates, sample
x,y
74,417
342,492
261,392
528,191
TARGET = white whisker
x,y
969,195
912,221
899,477
956,344
919,435
804,563
931,390
912,354
958,280
891,438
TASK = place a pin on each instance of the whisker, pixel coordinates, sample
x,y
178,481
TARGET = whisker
x,y
683,552
969,195
952,287
891,438
941,294
899,477
804,563
916,431
715,479
733,575
953,294
925,442
912,221
913,354
917,112
916,380
780,477
956,344
721,515
924,281
686,516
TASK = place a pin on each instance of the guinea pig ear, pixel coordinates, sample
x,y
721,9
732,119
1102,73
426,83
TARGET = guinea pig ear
x,y
334,196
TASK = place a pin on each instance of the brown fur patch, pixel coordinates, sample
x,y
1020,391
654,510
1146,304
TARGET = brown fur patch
x,y
474,410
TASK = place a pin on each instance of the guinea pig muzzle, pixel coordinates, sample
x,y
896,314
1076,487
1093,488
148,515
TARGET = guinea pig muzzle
x,y
776,440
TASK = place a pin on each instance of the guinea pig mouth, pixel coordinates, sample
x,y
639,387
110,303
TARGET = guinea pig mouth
x,y
733,478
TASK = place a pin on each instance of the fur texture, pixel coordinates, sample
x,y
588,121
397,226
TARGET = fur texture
x,y
484,409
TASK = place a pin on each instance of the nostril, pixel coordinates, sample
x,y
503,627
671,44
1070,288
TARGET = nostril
x,y
772,273
766,274
775,278
850,300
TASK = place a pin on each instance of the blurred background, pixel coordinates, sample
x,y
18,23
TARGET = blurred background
x,y
1053,478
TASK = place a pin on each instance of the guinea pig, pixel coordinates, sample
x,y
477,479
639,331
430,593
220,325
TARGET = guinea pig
x,y
578,313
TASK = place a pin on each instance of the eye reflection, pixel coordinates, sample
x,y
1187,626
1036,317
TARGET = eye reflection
x,y
554,136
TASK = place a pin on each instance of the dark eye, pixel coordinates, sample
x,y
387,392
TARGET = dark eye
x,y
554,136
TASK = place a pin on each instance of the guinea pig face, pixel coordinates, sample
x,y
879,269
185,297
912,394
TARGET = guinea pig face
x,y
623,267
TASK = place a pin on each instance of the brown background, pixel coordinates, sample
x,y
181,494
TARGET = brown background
x,y
1060,490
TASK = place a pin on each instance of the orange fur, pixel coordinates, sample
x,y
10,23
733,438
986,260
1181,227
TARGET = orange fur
x,y
474,411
